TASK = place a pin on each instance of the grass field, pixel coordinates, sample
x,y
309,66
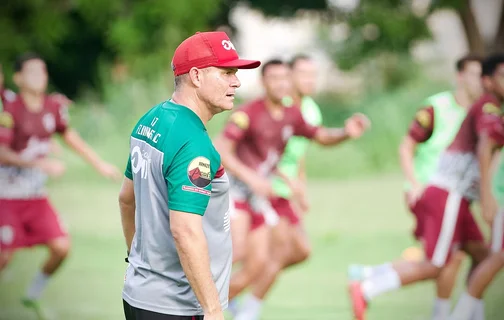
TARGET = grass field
x,y
350,221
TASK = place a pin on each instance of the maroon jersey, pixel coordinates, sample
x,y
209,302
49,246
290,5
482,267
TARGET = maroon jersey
x,y
422,126
261,139
28,133
458,168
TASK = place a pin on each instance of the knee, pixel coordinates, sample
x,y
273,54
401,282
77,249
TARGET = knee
x,y
431,271
304,252
60,248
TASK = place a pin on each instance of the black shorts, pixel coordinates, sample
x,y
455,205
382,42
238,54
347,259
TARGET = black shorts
x,y
132,313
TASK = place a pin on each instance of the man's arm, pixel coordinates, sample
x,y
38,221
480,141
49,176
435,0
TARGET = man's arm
x,y
355,127
73,140
127,208
406,158
10,158
227,150
485,150
191,244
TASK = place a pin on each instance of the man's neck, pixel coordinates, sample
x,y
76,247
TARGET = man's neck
x,y
192,102
34,102
276,109
462,98
297,98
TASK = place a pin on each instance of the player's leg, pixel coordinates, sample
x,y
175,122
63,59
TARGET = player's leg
x,y
445,283
439,233
44,228
470,305
256,256
12,232
300,243
279,252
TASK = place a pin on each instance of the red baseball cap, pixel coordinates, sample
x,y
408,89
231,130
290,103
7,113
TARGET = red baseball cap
x,y
208,49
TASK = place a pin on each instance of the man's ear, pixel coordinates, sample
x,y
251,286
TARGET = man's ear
x,y
195,75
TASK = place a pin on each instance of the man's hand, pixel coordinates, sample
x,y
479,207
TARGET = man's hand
x,y
299,194
414,194
214,316
356,125
489,208
109,171
52,167
261,186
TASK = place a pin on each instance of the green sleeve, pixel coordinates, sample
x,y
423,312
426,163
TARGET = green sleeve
x,y
189,178
128,172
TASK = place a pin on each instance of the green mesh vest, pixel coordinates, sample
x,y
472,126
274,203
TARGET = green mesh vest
x,y
296,147
448,117
498,181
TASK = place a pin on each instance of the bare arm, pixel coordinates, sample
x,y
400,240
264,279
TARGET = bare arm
x,y
231,162
11,158
485,150
330,136
406,157
127,208
74,140
191,244
302,170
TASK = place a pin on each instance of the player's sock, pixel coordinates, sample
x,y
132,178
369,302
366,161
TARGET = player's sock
x,y
381,283
479,313
233,307
358,272
442,308
251,309
37,286
465,308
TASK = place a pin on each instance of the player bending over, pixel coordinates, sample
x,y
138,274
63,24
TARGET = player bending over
x,y
443,209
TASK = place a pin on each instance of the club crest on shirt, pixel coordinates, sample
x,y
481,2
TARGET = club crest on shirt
x,y
49,122
423,118
198,172
490,108
241,119
6,120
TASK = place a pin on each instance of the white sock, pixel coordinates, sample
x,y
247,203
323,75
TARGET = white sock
x,y
442,308
465,308
371,271
37,286
251,309
479,313
381,283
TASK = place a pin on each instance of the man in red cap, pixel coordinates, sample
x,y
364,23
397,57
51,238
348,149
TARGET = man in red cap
x,y
174,199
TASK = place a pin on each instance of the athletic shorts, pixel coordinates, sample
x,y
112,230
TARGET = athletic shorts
x,y
259,209
498,232
28,222
447,223
418,230
283,207
132,313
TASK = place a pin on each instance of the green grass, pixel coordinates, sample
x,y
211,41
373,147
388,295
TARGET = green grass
x,y
359,220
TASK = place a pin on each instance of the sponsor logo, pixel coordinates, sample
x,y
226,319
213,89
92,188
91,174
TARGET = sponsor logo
x,y
227,45
491,108
140,162
198,172
49,122
423,118
240,119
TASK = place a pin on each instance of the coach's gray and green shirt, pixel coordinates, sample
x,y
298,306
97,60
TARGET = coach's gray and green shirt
x,y
174,166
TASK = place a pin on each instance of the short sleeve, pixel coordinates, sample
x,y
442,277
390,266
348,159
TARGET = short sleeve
x,y
189,177
6,127
490,121
303,128
422,126
62,118
237,126
128,173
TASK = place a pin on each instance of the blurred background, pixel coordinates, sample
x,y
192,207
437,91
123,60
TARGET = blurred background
x,y
379,57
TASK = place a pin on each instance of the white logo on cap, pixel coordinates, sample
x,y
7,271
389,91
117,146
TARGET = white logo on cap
x,y
228,45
